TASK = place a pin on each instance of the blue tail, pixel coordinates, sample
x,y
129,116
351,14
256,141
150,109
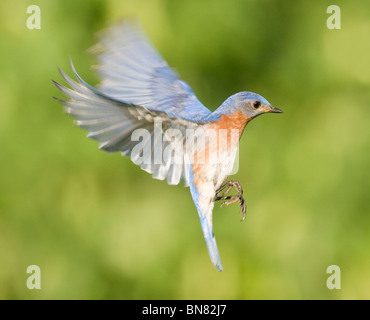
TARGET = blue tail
x,y
205,216
210,240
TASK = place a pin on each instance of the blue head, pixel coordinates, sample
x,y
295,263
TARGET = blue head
x,y
251,104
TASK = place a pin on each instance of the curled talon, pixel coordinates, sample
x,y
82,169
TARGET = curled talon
x,y
223,195
243,209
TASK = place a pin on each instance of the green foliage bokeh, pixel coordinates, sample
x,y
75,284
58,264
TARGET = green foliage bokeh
x,y
101,228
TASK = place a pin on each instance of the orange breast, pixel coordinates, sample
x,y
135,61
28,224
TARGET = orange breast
x,y
237,120
228,131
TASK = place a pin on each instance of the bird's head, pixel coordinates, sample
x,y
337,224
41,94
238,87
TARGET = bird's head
x,y
252,104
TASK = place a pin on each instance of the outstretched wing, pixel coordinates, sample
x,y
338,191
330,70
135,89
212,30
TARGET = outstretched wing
x,y
134,72
113,122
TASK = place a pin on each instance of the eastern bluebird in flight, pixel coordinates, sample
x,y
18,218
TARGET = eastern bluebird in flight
x,y
139,90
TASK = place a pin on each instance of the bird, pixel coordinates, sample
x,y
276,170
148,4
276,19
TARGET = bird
x,y
144,110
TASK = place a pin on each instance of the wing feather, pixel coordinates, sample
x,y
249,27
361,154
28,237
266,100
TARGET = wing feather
x,y
112,122
133,71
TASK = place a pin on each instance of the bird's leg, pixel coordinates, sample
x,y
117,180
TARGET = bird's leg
x,y
223,195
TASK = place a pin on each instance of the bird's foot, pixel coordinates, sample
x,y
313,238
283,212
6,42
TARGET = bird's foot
x,y
223,195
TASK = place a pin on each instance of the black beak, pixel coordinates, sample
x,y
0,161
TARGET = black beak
x,y
273,110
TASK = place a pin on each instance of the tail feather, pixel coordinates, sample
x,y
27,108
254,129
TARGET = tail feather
x,y
206,224
205,209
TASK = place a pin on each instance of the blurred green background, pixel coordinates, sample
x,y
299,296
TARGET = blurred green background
x,y
101,228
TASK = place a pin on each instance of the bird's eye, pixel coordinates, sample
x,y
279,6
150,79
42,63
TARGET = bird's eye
x,y
256,104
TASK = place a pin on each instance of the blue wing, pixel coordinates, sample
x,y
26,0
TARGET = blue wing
x,y
132,71
112,123
205,216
